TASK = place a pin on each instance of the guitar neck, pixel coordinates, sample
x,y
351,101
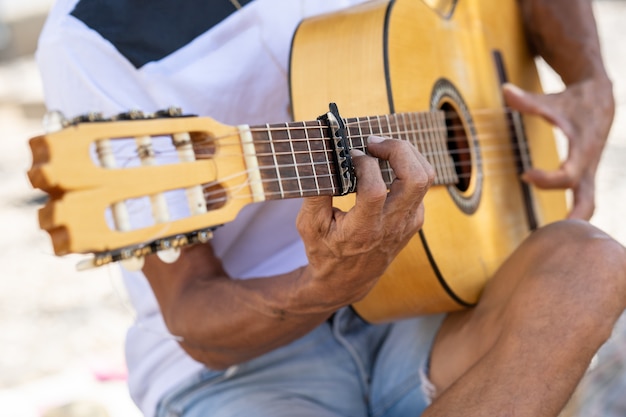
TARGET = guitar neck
x,y
296,159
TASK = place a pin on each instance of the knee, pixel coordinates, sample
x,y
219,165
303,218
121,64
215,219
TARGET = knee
x,y
578,241
573,229
591,267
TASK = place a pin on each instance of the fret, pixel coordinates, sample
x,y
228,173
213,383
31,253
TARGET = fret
x,y
422,136
361,136
402,127
386,124
415,131
369,124
405,127
384,165
435,153
425,139
351,135
387,171
277,166
313,171
447,163
451,175
355,132
376,130
437,160
438,150
295,157
415,127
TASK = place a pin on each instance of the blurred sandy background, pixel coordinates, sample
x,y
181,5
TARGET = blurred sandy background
x,y
61,332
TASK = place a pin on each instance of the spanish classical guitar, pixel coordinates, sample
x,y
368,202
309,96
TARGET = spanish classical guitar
x,y
426,71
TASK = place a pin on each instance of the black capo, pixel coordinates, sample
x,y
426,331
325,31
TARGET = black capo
x,y
341,150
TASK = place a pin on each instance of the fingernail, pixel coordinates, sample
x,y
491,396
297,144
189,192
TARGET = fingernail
x,y
375,139
513,88
356,152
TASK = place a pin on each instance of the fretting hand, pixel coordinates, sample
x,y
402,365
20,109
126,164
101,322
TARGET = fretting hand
x,y
348,251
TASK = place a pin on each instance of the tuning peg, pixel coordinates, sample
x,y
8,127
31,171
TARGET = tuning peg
x,y
171,111
54,121
87,118
133,264
86,264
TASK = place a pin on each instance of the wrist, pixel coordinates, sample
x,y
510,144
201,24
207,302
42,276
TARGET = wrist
x,y
314,296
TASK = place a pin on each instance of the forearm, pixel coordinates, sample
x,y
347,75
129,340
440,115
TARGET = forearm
x,y
564,33
223,321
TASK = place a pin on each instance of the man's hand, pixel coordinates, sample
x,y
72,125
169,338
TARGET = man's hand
x,y
349,251
584,113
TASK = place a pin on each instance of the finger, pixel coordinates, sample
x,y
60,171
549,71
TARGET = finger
x,y
371,190
584,200
561,178
410,167
414,175
315,216
568,175
543,105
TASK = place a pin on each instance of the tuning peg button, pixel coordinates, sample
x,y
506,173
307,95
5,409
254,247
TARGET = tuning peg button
x,y
169,256
133,264
54,121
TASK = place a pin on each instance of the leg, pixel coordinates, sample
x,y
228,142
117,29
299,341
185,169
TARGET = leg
x,y
318,375
542,317
399,384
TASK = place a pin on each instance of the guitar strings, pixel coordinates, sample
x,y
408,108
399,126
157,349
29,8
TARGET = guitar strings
x,y
492,141
489,143
424,134
219,196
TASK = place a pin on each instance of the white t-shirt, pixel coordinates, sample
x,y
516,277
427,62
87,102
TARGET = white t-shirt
x,y
234,72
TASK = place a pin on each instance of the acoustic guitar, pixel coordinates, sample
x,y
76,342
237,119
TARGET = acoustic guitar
x,y
429,72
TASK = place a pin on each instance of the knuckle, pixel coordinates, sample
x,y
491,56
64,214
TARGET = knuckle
x,y
422,179
376,197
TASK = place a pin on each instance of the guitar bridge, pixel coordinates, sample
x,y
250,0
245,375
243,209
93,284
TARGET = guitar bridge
x,y
344,169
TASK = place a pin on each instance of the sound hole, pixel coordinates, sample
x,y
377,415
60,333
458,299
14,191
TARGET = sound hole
x,y
459,146
462,145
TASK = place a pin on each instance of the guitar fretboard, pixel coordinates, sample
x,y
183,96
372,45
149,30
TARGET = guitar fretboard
x,y
296,159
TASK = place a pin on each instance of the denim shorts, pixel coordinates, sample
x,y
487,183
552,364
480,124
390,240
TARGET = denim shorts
x,y
345,367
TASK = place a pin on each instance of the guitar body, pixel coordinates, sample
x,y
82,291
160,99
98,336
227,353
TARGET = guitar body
x,y
401,56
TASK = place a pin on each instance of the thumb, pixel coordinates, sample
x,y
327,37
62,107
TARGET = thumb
x,y
315,217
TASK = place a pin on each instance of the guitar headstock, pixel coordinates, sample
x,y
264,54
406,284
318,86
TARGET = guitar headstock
x,y
127,186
